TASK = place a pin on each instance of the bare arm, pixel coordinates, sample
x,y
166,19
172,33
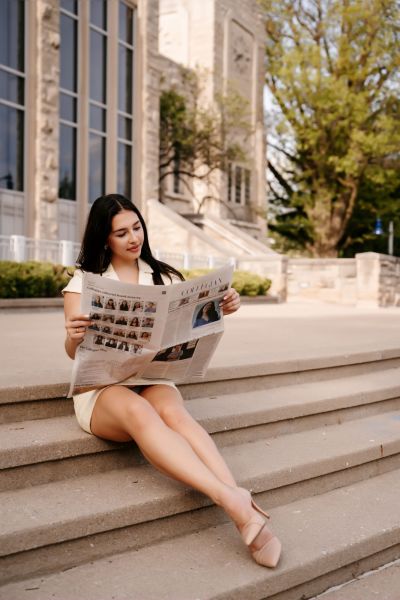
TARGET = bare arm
x,y
76,324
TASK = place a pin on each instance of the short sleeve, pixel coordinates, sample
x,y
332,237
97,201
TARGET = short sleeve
x,y
75,283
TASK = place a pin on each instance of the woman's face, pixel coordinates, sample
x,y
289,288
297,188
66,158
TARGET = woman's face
x,y
207,309
126,238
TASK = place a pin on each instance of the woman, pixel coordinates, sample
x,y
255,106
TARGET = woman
x,y
207,314
116,245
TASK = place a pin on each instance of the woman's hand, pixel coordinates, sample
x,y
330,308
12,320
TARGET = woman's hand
x,y
76,327
230,302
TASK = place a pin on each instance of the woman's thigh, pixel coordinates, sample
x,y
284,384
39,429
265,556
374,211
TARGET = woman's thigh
x,y
117,412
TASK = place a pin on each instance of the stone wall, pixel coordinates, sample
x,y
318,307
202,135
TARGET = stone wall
x,y
370,279
331,280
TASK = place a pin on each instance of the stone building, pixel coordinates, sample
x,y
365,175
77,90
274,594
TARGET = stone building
x,y
80,85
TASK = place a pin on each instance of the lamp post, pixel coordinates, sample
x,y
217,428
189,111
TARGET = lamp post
x,y
379,231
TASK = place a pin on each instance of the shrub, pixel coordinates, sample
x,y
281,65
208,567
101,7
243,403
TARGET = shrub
x,y
32,279
247,284
45,280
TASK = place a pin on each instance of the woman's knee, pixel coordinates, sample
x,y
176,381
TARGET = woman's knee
x,y
138,412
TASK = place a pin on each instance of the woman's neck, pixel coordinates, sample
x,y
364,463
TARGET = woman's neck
x,y
128,272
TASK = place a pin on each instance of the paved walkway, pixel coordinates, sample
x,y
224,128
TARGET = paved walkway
x,y
31,350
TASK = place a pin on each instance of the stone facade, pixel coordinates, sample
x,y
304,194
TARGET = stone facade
x,y
203,39
225,44
45,158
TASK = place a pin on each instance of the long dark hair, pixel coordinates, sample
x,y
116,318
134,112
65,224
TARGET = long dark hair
x,y
95,255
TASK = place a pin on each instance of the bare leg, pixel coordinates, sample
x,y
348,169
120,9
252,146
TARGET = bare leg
x,y
168,403
120,414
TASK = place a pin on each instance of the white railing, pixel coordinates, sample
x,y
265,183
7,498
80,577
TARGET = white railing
x,y
194,261
20,248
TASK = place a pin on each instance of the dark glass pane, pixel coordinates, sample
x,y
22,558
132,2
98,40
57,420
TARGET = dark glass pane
x,y
176,175
229,182
125,128
11,148
11,87
67,172
125,79
68,53
97,118
12,33
70,5
98,13
126,23
238,184
68,107
124,170
98,46
247,183
97,166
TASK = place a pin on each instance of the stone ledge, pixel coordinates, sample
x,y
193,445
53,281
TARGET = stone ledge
x,y
38,303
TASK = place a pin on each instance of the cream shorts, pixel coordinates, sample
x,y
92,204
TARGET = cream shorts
x,y
84,403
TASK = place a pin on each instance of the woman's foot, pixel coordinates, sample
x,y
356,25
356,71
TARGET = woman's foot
x,y
264,545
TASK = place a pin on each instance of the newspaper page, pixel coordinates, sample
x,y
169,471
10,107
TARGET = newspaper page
x,y
146,332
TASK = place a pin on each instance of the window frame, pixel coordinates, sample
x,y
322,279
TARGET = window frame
x,y
20,107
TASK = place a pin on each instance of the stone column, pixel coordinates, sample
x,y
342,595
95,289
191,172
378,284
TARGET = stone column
x,y
148,105
47,114
377,279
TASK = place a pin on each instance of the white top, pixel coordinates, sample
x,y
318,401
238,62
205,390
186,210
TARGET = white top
x,y
145,277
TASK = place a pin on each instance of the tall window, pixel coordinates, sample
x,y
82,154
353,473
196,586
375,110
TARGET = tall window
x,y
98,98
12,94
68,98
238,184
125,97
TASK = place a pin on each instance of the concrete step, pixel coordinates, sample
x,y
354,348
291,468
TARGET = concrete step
x,y
325,538
138,505
29,448
45,401
381,584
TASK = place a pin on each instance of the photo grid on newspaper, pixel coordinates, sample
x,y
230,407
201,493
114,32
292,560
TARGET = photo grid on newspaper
x,y
148,332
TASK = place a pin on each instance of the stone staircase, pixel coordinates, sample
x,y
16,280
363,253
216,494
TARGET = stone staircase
x,y
318,443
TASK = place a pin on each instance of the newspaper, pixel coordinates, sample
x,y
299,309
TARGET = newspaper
x,y
148,332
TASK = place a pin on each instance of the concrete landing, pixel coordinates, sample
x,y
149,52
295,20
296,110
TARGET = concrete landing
x,y
32,349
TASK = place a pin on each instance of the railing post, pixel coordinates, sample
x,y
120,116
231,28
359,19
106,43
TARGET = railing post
x,y
211,262
66,253
232,261
18,248
186,260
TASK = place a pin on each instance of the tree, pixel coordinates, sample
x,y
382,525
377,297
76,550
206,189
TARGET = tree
x,y
198,138
332,69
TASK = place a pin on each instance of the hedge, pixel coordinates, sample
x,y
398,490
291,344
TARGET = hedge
x,y
46,280
247,284
32,279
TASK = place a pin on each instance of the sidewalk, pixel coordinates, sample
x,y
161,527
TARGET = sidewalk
x,y
32,349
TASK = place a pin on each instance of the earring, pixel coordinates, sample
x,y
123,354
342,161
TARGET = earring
x,y
105,247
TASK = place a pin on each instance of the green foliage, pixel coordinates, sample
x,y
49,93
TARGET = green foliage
x,y
45,280
31,279
334,77
250,284
245,283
